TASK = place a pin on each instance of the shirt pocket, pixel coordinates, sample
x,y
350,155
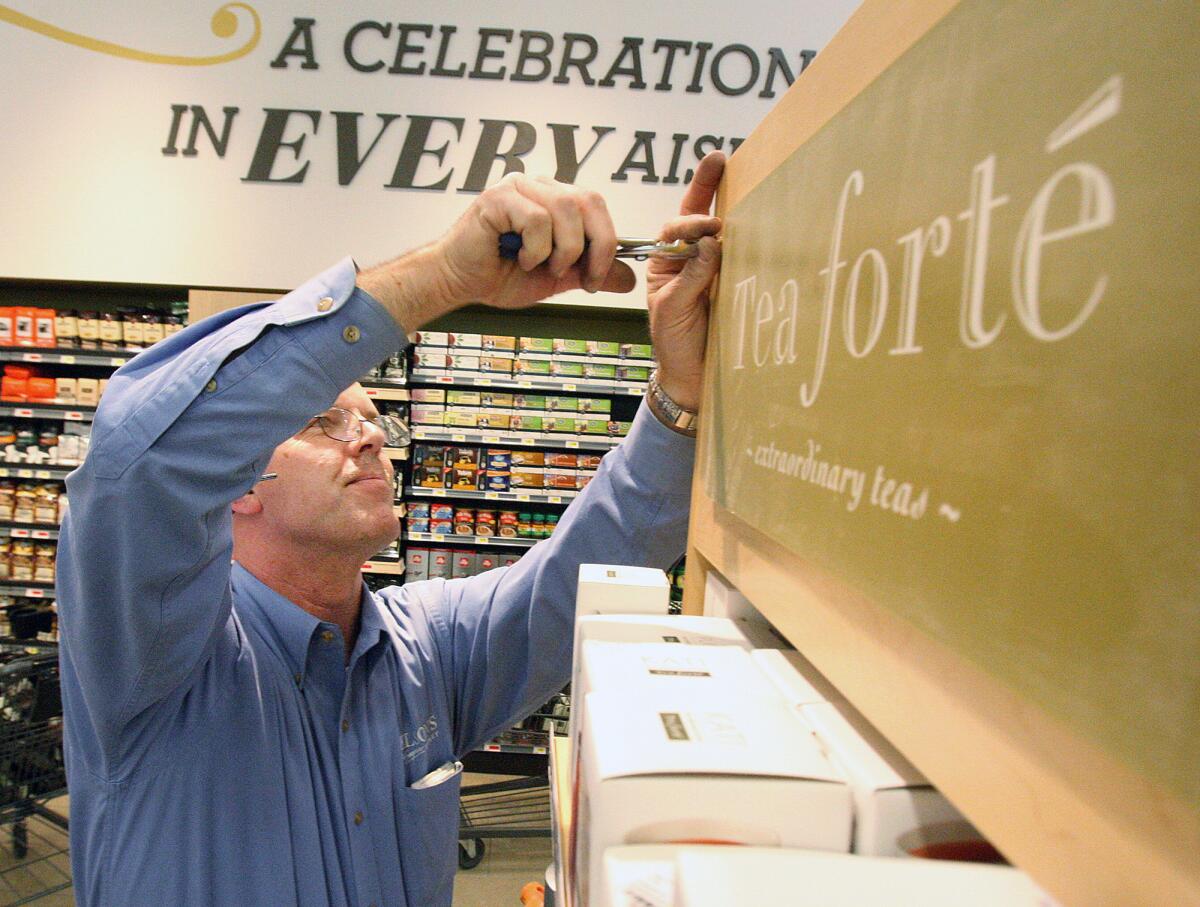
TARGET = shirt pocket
x,y
427,823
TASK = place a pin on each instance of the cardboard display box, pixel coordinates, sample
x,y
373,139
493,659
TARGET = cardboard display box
x,y
611,589
896,810
719,877
682,769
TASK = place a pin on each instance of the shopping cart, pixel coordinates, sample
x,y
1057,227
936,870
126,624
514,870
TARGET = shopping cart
x,y
518,807
34,859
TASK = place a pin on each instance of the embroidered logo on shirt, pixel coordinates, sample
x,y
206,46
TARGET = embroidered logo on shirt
x,y
416,742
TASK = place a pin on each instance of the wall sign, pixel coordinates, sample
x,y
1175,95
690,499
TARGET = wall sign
x,y
957,360
251,143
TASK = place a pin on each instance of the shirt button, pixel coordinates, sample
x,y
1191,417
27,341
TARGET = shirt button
x,y
345,725
351,334
327,636
358,817
325,304
211,386
299,678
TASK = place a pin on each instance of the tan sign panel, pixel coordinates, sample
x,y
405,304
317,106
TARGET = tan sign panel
x,y
957,360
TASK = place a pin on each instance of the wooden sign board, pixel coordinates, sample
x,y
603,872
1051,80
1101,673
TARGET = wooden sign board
x,y
951,441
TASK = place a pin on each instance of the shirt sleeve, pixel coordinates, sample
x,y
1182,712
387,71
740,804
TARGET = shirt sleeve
x,y
183,430
511,630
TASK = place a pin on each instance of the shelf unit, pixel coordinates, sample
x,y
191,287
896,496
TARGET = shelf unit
x,y
515,497
66,356
491,541
67,413
562,441
36,531
459,378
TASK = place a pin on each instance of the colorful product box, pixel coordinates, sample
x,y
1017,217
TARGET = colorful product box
x,y
527,478
529,401
498,342
428,395
499,460
603,348
487,561
431,359
465,341
527,423
416,565
418,524
507,560
429,476
560,478
589,460
496,420
440,563
562,460
559,424
582,479
441,511
564,368
464,478
562,404
460,418
571,347
463,456
633,373
429,455
464,363
591,426
464,564
619,429
498,364
495,399
535,345
527,458
637,351
593,405
431,338
531,368
441,527
600,370
462,398
496,481
418,510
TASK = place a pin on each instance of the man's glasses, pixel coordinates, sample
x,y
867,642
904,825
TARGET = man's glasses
x,y
340,424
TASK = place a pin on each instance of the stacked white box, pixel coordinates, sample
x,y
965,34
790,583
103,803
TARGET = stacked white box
x,y
639,874
664,769
896,809
613,589
720,877
794,676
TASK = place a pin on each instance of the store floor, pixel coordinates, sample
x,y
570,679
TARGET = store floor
x,y
508,864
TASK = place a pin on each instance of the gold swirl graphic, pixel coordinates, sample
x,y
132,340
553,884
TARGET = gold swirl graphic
x,y
224,25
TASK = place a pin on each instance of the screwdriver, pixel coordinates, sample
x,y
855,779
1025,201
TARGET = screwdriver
x,y
637,249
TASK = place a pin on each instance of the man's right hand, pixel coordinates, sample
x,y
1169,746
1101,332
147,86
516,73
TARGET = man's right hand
x,y
554,220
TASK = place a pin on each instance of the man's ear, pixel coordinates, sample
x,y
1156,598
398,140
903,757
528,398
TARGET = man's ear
x,y
248,504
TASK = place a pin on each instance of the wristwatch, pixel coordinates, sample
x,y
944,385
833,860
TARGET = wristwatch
x,y
667,411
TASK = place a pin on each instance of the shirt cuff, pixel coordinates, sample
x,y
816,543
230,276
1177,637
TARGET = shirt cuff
x,y
658,457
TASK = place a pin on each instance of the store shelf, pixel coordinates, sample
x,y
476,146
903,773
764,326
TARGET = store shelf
x,y
379,391
66,356
396,453
36,531
548,383
522,497
491,541
48,411
45,473
515,438
396,568
27,588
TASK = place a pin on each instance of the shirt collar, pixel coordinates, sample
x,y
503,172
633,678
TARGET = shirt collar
x,y
283,623
289,627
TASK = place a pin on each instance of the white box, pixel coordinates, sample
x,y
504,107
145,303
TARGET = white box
x,y
678,770
639,874
722,876
721,599
896,809
611,589
798,682
644,670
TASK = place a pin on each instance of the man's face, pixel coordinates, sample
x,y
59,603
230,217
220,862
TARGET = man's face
x,y
337,494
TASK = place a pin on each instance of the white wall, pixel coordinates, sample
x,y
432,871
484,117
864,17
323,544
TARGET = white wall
x,y
89,194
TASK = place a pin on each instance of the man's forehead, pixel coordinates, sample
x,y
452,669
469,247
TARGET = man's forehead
x,y
355,398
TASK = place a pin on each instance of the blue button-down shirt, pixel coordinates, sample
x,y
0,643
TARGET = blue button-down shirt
x,y
220,749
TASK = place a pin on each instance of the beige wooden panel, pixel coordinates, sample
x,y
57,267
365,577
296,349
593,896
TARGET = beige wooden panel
x,y
1086,826
202,303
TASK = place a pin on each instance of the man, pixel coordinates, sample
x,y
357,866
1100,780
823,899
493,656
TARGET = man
x,y
258,733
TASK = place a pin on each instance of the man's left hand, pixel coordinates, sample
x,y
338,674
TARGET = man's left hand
x,y
677,291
